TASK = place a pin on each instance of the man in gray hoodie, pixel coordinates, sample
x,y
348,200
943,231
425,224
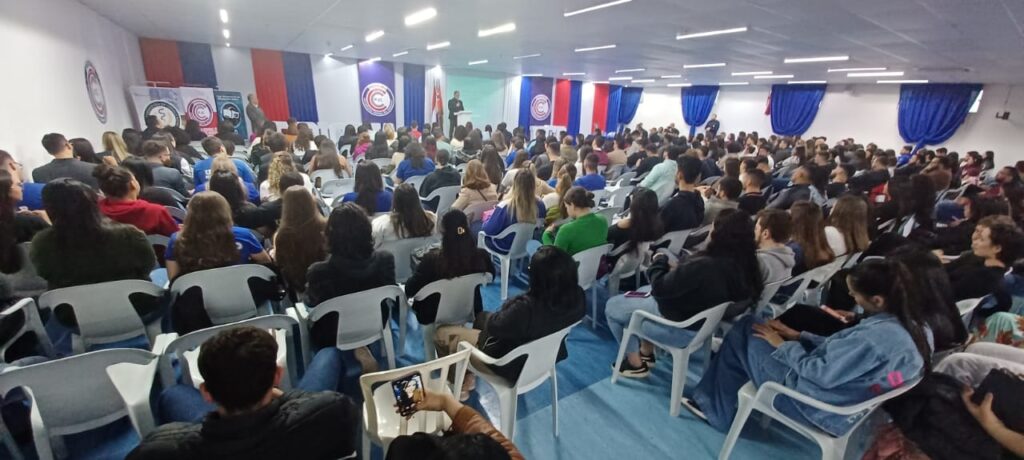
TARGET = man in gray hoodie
x,y
771,232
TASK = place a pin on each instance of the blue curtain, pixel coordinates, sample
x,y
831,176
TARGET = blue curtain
x,y
197,64
630,101
575,104
298,82
931,113
414,77
525,90
697,104
611,124
794,107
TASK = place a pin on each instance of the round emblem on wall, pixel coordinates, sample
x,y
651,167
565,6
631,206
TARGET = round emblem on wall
x,y
201,111
163,111
95,89
540,107
231,112
378,100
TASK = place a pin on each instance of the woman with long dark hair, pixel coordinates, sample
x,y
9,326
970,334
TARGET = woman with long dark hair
x,y
407,218
83,150
809,243
380,147
415,164
493,164
643,223
299,241
727,271
888,349
847,230
209,239
15,227
243,213
457,256
369,190
348,138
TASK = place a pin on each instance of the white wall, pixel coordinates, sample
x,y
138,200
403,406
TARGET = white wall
x,y
43,86
867,113
234,70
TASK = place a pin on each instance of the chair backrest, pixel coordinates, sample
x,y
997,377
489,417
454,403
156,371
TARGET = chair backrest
x,y
174,194
382,162
626,178
609,213
360,318
541,355
22,318
445,196
435,379
628,261
226,294
475,211
177,213
183,348
803,282
402,250
26,272
614,171
673,241
103,311
523,234
58,410
711,317
967,306
768,292
415,181
589,263
324,176
599,195
337,187
457,297
617,197
159,243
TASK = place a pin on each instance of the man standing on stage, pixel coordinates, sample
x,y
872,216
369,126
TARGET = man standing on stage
x,y
454,106
711,128
256,117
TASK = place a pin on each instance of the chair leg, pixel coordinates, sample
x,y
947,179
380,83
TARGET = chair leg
x,y
508,400
593,305
680,364
835,450
429,352
389,346
505,269
403,320
626,335
366,445
746,405
554,398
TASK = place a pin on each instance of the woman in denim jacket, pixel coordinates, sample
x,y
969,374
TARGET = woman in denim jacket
x,y
884,351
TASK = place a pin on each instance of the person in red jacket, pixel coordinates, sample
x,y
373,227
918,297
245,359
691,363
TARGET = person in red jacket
x,y
122,203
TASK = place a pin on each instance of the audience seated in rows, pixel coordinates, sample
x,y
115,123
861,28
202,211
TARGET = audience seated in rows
x,y
369,192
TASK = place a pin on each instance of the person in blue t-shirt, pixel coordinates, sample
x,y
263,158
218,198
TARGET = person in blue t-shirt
x,y
32,192
213,147
521,206
415,164
208,239
591,180
370,193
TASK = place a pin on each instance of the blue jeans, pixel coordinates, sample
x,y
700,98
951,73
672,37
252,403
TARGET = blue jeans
x,y
619,310
742,358
184,403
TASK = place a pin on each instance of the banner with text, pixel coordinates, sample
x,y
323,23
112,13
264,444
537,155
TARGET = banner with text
x,y
377,92
200,106
230,108
163,103
541,104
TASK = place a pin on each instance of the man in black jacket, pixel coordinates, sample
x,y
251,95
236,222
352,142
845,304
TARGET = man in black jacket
x,y
685,210
253,419
444,176
64,163
454,107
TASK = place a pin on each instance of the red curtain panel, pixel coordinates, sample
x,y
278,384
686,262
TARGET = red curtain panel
x,y
161,62
268,71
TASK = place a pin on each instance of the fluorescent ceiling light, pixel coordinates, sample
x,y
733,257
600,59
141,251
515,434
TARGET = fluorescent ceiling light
x,y
883,82
594,48
420,16
348,47
859,69
374,35
400,53
629,70
672,76
806,82
223,15
595,8
816,59
680,85
227,45
371,60
710,33
619,78
573,74
733,83
875,74
482,61
769,77
533,75
645,80
435,46
701,66
527,56
510,27
227,33
759,72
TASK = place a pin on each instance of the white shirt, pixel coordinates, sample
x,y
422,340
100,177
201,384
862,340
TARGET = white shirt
x,y
384,231
836,241
266,196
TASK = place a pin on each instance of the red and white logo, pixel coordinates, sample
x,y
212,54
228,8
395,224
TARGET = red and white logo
x,y
95,89
201,111
378,100
540,107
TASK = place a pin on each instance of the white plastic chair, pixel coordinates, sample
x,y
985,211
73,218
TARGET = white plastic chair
x,y
475,211
115,383
523,233
324,175
599,195
540,365
625,179
617,196
762,399
226,294
402,250
360,320
455,305
185,349
680,355
382,163
628,264
337,187
967,306
30,284
104,311
588,263
415,181
382,424
159,243
445,196
23,318
177,213
803,292
673,241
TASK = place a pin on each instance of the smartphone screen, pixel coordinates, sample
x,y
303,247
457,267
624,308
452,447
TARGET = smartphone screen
x,y
635,294
408,391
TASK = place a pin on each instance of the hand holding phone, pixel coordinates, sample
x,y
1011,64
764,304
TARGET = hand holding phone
x,y
408,392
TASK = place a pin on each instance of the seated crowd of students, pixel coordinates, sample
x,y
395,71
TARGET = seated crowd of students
x,y
908,235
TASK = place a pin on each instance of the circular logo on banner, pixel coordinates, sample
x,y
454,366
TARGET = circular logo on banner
x,y
201,111
95,89
378,100
163,111
230,112
540,107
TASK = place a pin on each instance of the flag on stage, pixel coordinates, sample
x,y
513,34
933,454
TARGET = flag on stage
x,y
437,103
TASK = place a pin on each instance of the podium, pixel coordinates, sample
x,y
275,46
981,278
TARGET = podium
x,y
463,117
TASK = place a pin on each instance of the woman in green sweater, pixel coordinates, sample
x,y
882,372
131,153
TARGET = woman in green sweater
x,y
586,229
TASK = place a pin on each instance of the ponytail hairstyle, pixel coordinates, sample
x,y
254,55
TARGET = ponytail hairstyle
x,y
579,197
115,181
457,244
893,281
